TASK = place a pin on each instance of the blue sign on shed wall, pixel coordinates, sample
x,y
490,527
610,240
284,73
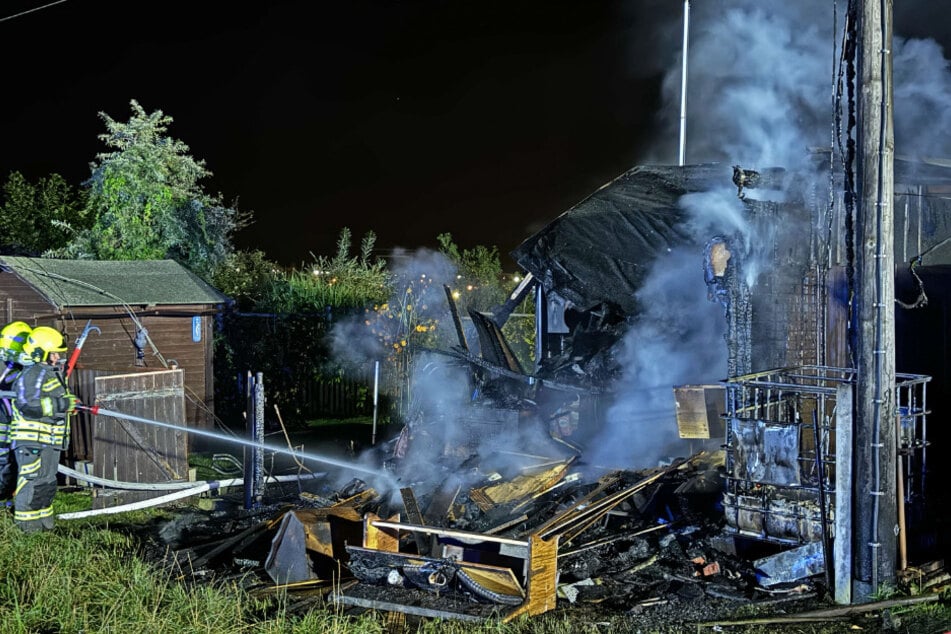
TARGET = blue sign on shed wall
x,y
196,328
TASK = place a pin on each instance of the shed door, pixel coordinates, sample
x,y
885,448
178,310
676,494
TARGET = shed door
x,y
134,451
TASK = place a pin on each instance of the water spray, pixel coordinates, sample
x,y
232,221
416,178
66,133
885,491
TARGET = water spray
x,y
98,411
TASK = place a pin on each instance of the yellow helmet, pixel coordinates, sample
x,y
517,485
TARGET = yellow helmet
x,y
41,342
12,338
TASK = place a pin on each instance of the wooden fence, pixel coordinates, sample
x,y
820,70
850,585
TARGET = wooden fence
x,y
347,397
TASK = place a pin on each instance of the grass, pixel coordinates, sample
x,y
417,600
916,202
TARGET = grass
x,y
88,576
336,422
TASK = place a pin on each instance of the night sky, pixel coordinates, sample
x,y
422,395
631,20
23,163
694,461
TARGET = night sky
x,y
410,119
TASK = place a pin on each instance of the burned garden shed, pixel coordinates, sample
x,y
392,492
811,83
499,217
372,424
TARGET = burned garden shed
x,y
151,316
593,261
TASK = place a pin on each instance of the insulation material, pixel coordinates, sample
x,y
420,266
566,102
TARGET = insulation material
x,y
765,453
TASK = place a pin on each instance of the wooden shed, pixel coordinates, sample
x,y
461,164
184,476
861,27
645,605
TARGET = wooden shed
x,y
153,315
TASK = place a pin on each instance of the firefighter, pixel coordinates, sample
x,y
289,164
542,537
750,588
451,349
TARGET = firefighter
x,y
40,428
12,338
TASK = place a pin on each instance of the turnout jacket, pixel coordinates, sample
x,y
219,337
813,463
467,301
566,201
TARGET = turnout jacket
x,y
41,407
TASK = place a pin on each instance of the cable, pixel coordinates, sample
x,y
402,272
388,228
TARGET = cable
x,y
22,13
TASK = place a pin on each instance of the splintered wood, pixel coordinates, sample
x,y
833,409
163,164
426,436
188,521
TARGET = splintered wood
x,y
519,488
592,508
542,578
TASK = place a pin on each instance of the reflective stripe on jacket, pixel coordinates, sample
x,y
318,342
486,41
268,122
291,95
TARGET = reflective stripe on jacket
x,y
40,407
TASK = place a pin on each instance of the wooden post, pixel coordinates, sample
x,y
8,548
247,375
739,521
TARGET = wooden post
x,y
876,444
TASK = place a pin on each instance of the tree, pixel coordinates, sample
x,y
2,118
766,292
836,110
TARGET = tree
x,y
147,201
250,279
36,218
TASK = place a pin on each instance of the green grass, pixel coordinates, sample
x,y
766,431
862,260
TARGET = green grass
x,y
333,422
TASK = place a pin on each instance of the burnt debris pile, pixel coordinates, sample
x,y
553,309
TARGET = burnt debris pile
x,y
545,535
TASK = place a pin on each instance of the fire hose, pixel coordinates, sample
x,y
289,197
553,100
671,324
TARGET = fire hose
x,y
98,411
196,489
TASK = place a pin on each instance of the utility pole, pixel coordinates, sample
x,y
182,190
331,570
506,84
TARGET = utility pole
x,y
683,86
875,446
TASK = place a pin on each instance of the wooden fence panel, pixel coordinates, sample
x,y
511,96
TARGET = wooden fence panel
x,y
139,452
348,397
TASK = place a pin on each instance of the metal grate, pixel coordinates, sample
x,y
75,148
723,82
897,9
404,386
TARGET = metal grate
x,y
781,445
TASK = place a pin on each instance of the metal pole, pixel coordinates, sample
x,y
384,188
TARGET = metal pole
x,y
258,482
249,450
683,86
376,397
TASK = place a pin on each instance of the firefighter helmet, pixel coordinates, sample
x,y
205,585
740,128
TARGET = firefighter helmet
x,y
41,342
12,338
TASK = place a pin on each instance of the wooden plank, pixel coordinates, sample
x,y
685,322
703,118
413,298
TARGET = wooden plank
x,y
443,499
542,578
380,538
415,610
445,532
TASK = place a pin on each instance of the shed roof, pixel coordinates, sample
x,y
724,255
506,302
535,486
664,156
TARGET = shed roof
x,y
72,283
600,250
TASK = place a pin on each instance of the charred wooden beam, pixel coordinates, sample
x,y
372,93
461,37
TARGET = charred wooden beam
x,y
416,517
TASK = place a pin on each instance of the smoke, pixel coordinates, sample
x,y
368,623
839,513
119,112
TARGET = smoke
x,y
413,314
760,95
760,78
677,340
922,99
760,85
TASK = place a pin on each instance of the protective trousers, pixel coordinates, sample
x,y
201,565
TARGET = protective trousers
x,y
36,486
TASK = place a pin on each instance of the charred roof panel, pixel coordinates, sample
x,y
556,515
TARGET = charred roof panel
x,y
600,250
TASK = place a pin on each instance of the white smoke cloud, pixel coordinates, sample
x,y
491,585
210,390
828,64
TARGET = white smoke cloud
x,y
759,82
922,99
677,340
417,279
761,85
760,95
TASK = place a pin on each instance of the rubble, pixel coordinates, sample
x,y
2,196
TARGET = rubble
x,y
620,541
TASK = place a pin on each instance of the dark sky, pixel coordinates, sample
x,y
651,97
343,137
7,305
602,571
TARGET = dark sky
x,y
484,119
410,119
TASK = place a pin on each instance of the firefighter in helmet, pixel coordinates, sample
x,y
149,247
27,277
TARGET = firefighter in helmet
x,y
12,338
40,428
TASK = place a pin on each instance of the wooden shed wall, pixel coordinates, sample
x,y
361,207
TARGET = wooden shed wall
x,y
112,350
170,329
19,300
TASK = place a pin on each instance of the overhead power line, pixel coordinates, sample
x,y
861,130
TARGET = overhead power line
x,y
22,13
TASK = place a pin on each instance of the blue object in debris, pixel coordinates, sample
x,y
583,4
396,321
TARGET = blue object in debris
x,y
790,565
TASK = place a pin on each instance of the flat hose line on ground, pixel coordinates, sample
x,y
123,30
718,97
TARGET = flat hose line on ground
x,y
178,495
